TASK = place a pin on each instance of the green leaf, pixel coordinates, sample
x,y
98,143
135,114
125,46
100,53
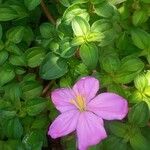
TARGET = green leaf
x,y
6,74
118,128
139,142
73,11
53,67
7,13
31,89
33,140
141,82
40,122
101,25
76,41
66,50
15,34
34,56
109,61
145,1
139,17
47,30
112,142
80,26
31,4
129,69
3,56
7,114
13,128
36,106
89,55
13,92
140,38
1,32
94,37
15,144
104,9
17,60
13,48
139,114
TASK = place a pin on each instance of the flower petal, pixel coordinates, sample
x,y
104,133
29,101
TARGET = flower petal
x,y
61,98
64,124
87,87
90,130
109,106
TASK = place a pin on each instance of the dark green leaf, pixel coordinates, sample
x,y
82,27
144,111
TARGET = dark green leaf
x,y
139,114
36,106
7,13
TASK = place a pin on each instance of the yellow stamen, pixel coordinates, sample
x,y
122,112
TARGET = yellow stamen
x,y
79,102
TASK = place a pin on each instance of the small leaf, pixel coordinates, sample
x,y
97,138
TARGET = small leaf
x,y
101,25
117,128
47,30
34,140
104,9
3,56
73,11
31,89
140,38
36,106
7,13
139,142
141,82
53,67
13,128
139,17
35,56
89,55
80,26
31,4
1,32
139,114
112,142
17,60
6,74
15,34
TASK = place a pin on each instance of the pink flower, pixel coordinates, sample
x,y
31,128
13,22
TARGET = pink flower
x,y
83,111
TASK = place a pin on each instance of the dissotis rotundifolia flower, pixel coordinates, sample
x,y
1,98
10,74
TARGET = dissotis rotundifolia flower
x,y
82,110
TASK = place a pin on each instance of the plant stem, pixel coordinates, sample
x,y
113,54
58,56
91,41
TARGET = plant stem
x,y
47,13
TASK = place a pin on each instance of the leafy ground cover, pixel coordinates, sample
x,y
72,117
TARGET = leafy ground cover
x,y
51,44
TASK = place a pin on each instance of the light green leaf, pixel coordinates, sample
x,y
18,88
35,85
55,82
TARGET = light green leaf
x,y
80,26
140,38
139,17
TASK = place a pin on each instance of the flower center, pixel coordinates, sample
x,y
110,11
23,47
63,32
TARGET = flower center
x,y
79,102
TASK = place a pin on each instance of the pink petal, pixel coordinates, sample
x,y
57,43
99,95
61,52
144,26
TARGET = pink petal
x,y
87,87
61,98
109,106
90,130
64,124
